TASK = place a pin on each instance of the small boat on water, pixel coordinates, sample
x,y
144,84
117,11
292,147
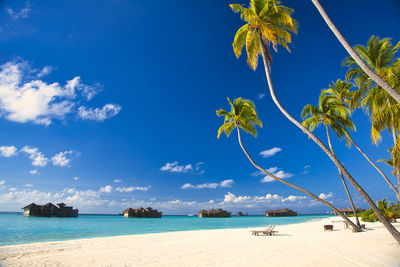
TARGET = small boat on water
x,y
191,215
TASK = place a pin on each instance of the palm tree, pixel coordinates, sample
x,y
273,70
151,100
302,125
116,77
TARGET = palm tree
x,y
384,111
332,113
342,91
356,57
243,116
267,24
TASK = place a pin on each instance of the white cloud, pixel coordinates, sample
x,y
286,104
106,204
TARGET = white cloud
x,y
21,14
28,185
235,199
117,181
132,188
106,189
2,182
278,173
175,167
61,158
225,183
275,171
8,151
260,96
23,99
197,168
76,178
99,114
293,198
211,201
45,71
306,169
270,152
34,172
38,159
326,196
272,200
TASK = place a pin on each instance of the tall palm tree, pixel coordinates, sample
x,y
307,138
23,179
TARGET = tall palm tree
x,y
243,116
342,91
356,57
331,112
384,111
267,23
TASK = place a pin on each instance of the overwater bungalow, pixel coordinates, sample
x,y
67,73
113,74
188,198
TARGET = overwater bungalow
x,y
142,213
349,211
50,210
280,213
214,213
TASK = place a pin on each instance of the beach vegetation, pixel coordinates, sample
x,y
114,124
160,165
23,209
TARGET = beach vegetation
x,y
383,111
243,116
391,212
269,24
335,115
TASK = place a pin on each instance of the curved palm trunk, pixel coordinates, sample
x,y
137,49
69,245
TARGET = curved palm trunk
x,y
397,169
343,181
338,212
376,167
354,54
385,222
394,135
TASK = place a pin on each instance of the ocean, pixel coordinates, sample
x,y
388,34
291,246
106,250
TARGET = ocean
x,y
18,229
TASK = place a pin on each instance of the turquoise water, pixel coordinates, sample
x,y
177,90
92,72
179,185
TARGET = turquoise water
x,y
18,229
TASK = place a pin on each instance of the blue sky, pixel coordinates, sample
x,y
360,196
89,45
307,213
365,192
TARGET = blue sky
x,y
111,104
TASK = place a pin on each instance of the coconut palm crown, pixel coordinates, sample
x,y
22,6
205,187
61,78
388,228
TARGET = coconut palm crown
x,y
342,90
330,112
242,114
381,56
267,23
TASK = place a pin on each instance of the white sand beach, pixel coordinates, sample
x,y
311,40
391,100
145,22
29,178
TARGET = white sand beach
x,y
304,244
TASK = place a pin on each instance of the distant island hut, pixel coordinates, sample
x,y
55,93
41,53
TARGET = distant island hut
x,y
280,213
50,210
142,213
214,213
349,211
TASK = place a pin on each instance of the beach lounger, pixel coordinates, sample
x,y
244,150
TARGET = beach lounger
x,y
268,231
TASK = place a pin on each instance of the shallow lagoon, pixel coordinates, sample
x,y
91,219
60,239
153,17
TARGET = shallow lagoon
x,y
18,229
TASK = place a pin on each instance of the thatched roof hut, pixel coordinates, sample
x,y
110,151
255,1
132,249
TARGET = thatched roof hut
x,y
214,213
50,210
280,213
142,213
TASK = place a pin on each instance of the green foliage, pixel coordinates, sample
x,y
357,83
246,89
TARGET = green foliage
x,y
394,159
381,56
331,112
267,22
391,212
242,114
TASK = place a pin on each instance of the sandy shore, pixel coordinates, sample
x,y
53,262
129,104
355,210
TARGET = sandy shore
x,y
304,244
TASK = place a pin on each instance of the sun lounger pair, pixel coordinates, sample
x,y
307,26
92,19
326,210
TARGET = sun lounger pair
x,y
268,231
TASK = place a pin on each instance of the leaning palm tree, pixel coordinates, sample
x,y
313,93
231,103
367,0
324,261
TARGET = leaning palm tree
x,y
243,116
383,110
331,113
269,23
356,57
342,91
